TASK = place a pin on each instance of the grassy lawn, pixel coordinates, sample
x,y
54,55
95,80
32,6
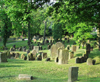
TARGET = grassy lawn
x,y
43,71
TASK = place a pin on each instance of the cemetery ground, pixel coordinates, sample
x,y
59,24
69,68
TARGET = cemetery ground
x,y
49,71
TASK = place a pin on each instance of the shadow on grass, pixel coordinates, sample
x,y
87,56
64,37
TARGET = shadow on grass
x,y
1,66
88,79
6,77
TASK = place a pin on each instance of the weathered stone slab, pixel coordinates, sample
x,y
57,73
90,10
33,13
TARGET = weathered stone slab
x,y
71,55
17,55
54,49
36,48
3,57
73,74
34,53
44,55
90,61
25,77
63,57
74,48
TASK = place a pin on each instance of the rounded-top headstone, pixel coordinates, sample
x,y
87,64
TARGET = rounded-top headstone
x,y
54,49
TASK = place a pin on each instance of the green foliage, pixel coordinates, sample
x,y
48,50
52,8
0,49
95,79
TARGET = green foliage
x,y
57,31
6,25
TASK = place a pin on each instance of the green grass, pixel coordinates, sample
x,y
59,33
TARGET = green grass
x,y
43,71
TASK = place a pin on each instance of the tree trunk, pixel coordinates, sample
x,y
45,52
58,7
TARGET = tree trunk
x,y
29,36
98,34
44,32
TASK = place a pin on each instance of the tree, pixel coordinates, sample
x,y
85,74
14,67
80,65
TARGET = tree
x,y
21,11
6,24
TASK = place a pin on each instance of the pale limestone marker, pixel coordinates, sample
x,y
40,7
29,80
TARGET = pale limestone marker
x,y
63,57
25,77
73,74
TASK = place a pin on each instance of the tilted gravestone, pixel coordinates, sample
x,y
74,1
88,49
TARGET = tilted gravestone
x,y
74,48
36,48
71,55
54,49
73,74
34,53
44,55
63,57
3,57
90,61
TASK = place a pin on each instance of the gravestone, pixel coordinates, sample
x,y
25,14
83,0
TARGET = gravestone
x,y
48,59
34,53
40,47
63,56
25,77
24,49
73,74
44,55
28,51
12,54
90,61
78,60
68,47
22,56
39,57
11,49
74,48
30,56
54,49
49,46
36,48
58,51
56,59
47,41
3,57
8,54
71,55
17,55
